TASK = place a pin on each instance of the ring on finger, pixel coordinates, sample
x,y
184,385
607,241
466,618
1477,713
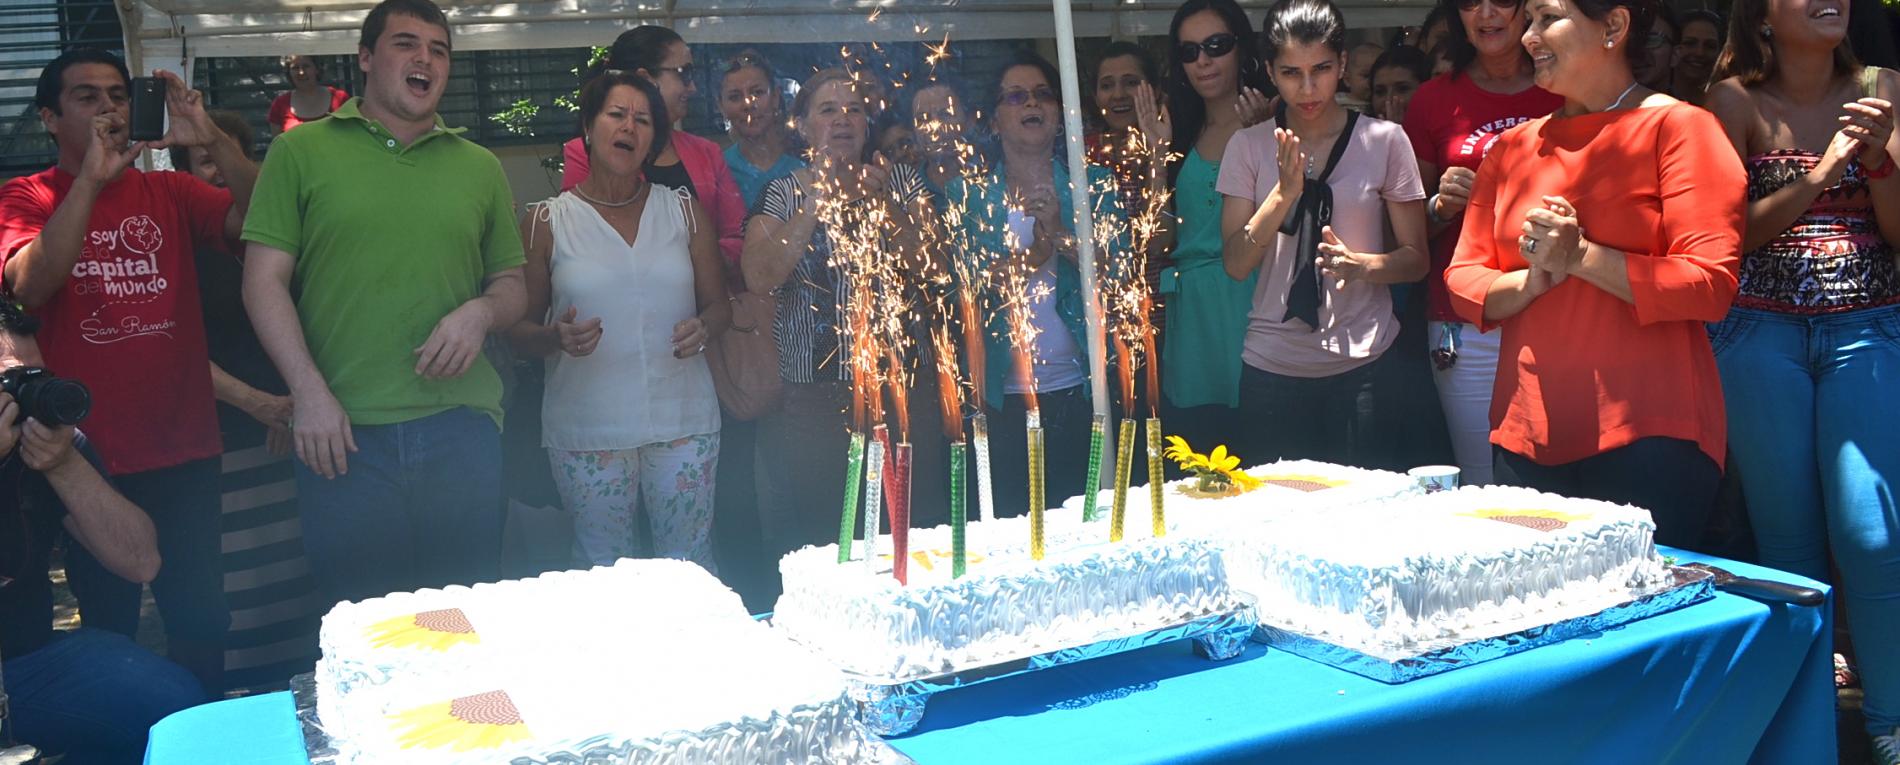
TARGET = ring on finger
x,y
1530,245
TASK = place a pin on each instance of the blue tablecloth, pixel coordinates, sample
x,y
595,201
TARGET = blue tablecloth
x,y
1726,681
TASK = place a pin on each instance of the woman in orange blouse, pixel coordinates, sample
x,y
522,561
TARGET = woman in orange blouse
x,y
1602,238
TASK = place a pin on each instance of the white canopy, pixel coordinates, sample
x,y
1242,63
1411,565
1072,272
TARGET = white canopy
x,y
172,32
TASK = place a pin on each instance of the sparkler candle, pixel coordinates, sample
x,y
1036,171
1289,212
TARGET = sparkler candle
x,y
873,494
899,503
1098,428
1125,445
957,512
1154,416
1154,474
980,443
897,477
1124,454
1036,508
952,410
854,464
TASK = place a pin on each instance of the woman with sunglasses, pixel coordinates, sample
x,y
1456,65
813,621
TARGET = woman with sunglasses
x,y
1452,121
1307,198
1216,83
686,161
1808,351
1600,239
750,100
1017,218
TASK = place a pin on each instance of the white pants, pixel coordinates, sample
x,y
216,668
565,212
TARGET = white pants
x,y
658,496
1464,392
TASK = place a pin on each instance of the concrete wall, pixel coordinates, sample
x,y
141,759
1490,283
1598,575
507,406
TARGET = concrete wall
x,y
526,178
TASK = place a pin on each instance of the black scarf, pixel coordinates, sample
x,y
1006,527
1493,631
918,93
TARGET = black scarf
x,y
1312,212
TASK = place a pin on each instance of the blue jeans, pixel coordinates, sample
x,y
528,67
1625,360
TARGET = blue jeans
x,y
183,503
1814,426
420,507
93,694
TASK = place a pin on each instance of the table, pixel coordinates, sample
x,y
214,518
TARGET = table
x,y
1730,680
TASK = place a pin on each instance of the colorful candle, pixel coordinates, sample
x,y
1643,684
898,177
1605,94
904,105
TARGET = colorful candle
x,y
980,442
1154,476
1124,454
1036,506
1098,428
958,554
899,502
847,525
873,495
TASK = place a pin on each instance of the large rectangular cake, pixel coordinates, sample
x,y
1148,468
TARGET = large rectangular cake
x,y
1006,606
650,661
1430,571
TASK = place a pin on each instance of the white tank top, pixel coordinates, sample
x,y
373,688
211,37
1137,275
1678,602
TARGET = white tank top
x,y
630,391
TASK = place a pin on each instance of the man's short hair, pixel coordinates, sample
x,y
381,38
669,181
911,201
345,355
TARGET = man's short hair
x,y
422,10
15,321
53,77
232,124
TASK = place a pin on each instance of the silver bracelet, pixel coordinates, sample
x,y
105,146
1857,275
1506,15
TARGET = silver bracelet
x,y
1431,209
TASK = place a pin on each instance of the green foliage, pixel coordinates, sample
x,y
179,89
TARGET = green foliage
x,y
518,118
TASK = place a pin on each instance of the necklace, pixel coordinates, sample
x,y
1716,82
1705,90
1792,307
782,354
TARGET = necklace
x,y
635,197
1619,99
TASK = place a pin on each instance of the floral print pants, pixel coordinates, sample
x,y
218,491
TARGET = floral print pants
x,y
655,499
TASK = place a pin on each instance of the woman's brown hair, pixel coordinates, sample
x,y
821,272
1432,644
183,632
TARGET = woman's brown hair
x,y
1749,54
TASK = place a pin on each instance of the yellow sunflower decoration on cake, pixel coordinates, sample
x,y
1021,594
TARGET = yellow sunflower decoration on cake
x,y
429,630
482,722
1216,472
1540,520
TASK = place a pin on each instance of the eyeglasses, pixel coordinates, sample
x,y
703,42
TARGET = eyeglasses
x,y
1657,41
1502,5
685,72
1215,47
1018,97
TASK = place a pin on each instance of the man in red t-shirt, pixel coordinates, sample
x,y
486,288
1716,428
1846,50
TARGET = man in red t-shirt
x,y
103,254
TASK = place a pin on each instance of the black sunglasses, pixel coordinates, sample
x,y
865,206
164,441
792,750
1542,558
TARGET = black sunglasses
x,y
1503,5
1019,96
1215,47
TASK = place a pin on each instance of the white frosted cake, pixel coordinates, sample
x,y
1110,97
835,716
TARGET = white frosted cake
x,y
644,661
1006,606
1436,570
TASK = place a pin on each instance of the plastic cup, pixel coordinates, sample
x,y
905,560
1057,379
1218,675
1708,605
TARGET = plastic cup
x,y
1435,478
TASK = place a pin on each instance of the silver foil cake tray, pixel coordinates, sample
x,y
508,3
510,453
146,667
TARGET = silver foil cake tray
x,y
1683,587
894,706
865,750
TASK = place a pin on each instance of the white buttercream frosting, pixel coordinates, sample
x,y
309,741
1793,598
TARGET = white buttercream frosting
x,y
1436,570
652,658
1006,606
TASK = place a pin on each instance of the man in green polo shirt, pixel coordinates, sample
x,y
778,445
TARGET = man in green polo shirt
x,y
401,238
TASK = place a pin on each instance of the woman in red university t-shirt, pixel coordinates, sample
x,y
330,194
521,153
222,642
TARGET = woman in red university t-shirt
x,y
1601,239
1452,121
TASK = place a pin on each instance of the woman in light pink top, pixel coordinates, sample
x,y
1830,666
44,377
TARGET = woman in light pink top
x,y
1307,196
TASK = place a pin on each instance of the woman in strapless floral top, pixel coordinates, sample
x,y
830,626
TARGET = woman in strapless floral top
x,y
1809,353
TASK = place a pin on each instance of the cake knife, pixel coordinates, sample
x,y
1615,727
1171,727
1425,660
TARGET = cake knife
x,y
1761,589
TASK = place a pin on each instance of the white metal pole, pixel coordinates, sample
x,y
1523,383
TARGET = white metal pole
x,y
1079,188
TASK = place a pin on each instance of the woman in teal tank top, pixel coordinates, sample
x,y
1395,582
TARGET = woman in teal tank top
x,y
1215,88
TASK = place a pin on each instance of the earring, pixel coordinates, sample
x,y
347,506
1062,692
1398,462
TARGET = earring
x,y
1608,44
1767,33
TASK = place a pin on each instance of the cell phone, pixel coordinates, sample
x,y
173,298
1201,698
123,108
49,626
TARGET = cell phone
x,y
148,108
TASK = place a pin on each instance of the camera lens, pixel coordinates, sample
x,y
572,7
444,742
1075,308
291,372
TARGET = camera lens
x,y
61,402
